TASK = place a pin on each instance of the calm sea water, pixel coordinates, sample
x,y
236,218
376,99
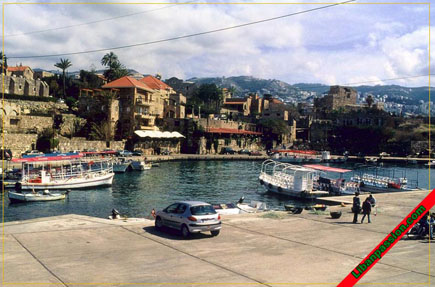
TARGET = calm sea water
x,y
135,194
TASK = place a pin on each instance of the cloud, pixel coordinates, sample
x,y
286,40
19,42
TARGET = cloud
x,y
342,44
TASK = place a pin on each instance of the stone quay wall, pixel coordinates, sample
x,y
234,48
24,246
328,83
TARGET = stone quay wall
x,y
76,143
19,143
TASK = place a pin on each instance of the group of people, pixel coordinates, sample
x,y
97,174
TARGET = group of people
x,y
368,204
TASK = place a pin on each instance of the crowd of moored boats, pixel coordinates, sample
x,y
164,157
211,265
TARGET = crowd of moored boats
x,y
44,177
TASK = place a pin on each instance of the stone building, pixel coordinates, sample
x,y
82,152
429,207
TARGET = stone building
x,y
136,105
176,107
184,87
236,108
102,107
274,109
20,81
143,101
337,97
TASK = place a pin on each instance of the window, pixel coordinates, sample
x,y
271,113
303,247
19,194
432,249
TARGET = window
x,y
20,87
14,122
128,109
171,208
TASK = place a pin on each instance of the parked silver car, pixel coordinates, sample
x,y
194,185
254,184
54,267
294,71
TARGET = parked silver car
x,y
189,217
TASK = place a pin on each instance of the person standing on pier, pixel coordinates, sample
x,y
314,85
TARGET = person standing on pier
x,y
372,201
367,209
356,207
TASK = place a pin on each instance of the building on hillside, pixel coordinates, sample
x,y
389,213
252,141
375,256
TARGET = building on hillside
x,y
161,94
17,71
20,81
176,108
257,104
236,108
274,109
184,87
138,107
102,108
337,97
142,102
42,74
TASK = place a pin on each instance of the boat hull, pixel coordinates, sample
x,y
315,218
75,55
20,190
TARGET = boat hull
x,y
72,183
31,197
121,167
284,191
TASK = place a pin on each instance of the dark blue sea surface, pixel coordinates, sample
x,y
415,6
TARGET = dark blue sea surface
x,y
135,194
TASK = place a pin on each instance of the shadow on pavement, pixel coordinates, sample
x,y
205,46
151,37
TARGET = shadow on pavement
x,y
173,234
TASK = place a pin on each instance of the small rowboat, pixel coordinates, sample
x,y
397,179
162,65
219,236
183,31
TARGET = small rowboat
x,y
35,196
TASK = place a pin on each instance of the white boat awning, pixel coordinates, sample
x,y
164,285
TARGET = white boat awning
x,y
158,134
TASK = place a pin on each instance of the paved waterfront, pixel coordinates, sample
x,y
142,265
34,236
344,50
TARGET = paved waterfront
x,y
251,249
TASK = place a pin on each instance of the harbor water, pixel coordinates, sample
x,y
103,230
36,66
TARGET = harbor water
x,y
135,194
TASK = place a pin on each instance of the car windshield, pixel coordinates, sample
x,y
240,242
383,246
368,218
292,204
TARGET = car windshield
x,y
202,210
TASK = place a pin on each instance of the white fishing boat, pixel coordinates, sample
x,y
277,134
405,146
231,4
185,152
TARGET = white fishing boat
x,y
64,173
253,207
330,182
376,180
288,179
35,196
296,156
140,165
226,209
122,165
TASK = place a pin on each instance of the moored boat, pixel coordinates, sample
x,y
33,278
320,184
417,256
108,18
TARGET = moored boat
x,y
140,165
288,179
38,173
35,196
378,181
122,165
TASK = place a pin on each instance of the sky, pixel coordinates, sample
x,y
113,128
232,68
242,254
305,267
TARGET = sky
x,y
347,44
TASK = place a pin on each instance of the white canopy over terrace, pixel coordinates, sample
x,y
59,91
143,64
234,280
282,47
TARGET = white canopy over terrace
x,y
158,134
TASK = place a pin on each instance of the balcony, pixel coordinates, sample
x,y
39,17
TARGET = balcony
x,y
141,102
144,116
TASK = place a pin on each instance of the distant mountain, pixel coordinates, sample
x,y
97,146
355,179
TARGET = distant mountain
x,y
248,84
307,91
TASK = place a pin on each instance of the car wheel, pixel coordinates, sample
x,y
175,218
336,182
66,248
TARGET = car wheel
x,y
185,231
158,223
215,232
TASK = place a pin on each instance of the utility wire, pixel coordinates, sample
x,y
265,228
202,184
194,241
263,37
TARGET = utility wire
x,y
181,37
92,22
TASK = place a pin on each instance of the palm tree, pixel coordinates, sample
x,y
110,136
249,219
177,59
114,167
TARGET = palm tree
x,y
109,59
63,65
115,69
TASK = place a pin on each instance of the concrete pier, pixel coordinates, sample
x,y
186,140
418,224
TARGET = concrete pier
x,y
309,249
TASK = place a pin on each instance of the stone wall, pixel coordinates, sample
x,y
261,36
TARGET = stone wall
x,y
76,143
19,143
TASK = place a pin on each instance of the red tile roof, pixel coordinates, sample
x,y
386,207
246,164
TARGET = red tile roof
x,y
127,82
231,131
154,83
18,68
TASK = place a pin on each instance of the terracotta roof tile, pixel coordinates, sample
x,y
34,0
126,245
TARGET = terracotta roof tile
x,y
127,82
154,83
18,68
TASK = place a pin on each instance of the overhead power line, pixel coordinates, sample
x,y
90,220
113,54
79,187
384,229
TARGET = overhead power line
x,y
180,37
92,22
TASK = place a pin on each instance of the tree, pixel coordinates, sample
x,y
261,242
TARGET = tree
x,y
369,101
63,65
115,69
